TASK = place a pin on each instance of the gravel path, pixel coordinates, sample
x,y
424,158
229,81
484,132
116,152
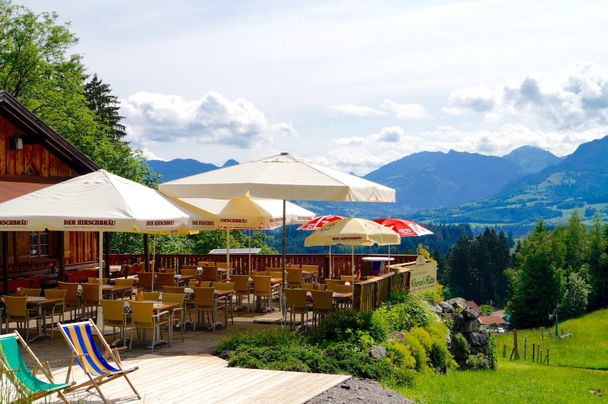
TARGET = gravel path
x,y
360,390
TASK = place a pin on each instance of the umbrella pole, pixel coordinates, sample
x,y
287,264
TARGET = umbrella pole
x,y
228,253
153,259
99,282
249,257
331,267
352,258
283,262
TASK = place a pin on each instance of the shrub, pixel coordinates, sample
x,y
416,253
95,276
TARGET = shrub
x,y
460,348
256,338
349,326
418,351
404,312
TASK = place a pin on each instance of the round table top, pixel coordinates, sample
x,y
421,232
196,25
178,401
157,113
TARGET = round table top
x,y
378,259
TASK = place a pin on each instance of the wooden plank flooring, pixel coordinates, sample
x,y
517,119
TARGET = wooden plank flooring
x,y
204,379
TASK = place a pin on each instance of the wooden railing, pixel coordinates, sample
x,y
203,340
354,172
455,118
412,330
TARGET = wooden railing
x,y
341,263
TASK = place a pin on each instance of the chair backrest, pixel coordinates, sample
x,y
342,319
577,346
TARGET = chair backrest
x,y
261,284
16,305
135,269
322,299
79,337
18,372
331,283
124,282
295,298
224,285
189,271
276,274
204,264
71,296
346,278
145,280
96,280
343,288
151,296
294,276
141,313
307,286
203,296
90,292
173,289
31,292
165,279
200,284
241,283
113,310
174,298
209,274
55,293
223,265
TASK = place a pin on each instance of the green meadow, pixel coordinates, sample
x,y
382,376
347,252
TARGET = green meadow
x,y
578,371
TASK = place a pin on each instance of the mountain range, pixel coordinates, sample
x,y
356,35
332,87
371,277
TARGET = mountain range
x,y
456,187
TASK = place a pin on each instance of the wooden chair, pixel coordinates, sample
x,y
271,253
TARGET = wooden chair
x,y
276,274
145,281
332,283
322,304
262,289
200,284
165,279
144,319
72,300
173,289
90,296
227,287
153,296
31,292
241,288
294,278
17,311
205,303
209,274
114,316
125,283
181,311
96,280
347,301
58,307
296,304
92,360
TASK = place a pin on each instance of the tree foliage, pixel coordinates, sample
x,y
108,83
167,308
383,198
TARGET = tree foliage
x,y
37,69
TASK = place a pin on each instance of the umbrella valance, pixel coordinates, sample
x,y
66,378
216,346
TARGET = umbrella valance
x,y
352,231
405,228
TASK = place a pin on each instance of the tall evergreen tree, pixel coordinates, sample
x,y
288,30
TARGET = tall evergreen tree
x,y
598,264
105,105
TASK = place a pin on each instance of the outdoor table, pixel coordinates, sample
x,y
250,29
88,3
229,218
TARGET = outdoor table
x,y
180,279
40,303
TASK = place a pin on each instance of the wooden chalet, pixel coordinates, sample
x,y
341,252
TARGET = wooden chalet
x,y
33,156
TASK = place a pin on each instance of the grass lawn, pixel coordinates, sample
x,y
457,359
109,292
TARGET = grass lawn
x,y
588,347
572,376
513,382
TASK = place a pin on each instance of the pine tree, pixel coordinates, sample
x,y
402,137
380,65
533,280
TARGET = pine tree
x,y
598,264
105,105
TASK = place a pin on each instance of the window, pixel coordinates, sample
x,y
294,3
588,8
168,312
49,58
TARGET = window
x,y
39,244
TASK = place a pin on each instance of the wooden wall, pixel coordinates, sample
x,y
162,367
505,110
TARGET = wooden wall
x,y
35,163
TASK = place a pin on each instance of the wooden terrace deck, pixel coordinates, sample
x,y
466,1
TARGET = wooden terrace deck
x,y
204,379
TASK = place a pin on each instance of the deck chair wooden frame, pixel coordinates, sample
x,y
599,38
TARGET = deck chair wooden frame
x,y
25,381
86,354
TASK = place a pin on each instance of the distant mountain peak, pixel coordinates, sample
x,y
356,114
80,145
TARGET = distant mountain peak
x,y
230,163
531,159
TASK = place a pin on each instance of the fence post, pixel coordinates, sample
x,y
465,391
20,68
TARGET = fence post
x,y
540,354
533,351
547,356
504,350
525,347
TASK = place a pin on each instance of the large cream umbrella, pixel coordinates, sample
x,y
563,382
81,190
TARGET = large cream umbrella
x,y
279,177
248,213
99,202
353,232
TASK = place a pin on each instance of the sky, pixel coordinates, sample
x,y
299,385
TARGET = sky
x,y
349,84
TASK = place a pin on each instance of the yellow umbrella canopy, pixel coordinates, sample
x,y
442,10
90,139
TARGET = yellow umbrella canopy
x,y
353,231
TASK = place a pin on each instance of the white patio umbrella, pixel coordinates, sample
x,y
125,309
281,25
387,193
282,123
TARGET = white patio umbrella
x,y
353,231
248,213
99,202
279,177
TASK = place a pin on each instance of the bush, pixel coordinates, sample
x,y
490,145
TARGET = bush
x,y
349,326
256,338
460,348
404,312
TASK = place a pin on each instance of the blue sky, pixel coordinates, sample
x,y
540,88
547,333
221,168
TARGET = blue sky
x,y
346,83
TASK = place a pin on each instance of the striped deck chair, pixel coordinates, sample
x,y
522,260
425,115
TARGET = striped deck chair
x,y
86,353
27,385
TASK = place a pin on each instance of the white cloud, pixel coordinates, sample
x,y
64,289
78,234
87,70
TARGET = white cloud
x,y
211,119
355,110
391,134
387,107
576,99
404,111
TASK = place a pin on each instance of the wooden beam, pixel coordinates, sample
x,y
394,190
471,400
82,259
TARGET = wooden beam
x,y
106,243
4,263
61,256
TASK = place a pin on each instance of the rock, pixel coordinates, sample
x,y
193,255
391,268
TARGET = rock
x,y
377,352
437,309
446,307
225,355
469,314
345,386
458,302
